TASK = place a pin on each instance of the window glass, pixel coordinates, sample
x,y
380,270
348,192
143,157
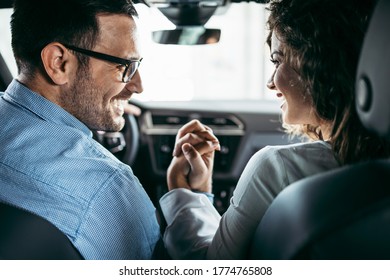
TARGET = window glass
x,y
5,42
237,67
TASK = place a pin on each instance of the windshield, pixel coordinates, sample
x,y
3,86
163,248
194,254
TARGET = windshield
x,y
236,68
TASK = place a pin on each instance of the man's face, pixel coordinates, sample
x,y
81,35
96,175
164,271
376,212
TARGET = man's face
x,y
97,94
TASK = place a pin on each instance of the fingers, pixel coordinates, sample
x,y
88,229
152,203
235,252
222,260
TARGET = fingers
x,y
194,159
194,140
193,170
194,132
199,177
207,147
194,126
132,109
177,173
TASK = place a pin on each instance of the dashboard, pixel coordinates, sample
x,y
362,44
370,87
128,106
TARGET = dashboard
x,y
242,130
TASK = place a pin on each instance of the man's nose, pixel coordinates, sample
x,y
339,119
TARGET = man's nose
x,y
135,83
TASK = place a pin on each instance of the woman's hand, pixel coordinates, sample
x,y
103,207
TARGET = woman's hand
x,y
193,160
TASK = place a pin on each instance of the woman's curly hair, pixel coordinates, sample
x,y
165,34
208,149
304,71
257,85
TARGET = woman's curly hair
x,y
321,40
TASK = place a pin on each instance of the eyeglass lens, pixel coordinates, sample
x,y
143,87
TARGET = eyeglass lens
x,y
130,71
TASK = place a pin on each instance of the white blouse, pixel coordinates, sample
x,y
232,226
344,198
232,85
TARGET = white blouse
x,y
195,230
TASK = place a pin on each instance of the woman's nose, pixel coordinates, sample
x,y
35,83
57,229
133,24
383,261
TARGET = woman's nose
x,y
270,83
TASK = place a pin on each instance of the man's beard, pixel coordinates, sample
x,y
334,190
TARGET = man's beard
x,y
85,102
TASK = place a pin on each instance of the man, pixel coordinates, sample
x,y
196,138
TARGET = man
x,y
77,62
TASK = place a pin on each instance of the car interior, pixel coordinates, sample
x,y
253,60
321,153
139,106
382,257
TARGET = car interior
x,y
342,214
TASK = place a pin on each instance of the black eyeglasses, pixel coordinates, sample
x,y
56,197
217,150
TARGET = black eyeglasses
x,y
131,66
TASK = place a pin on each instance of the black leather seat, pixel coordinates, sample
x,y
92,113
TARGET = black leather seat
x,y
344,213
25,236
5,74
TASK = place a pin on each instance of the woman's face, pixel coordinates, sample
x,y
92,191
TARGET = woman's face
x,y
296,106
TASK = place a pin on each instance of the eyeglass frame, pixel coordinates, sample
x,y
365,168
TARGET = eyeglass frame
x,y
110,58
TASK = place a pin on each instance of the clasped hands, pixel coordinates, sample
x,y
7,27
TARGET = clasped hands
x,y
193,158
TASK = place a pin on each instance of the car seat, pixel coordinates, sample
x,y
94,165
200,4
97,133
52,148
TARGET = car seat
x,y
5,74
26,236
343,213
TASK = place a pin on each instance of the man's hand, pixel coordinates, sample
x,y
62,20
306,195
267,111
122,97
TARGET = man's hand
x,y
193,160
131,109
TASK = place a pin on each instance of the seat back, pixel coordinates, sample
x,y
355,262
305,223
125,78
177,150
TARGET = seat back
x,y
26,236
340,214
343,213
5,74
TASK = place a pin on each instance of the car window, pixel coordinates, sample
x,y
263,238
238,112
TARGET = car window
x,y
235,68
5,42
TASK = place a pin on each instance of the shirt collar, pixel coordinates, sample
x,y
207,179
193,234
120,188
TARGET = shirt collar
x,y
19,94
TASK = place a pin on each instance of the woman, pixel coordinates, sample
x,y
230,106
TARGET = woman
x,y
315,47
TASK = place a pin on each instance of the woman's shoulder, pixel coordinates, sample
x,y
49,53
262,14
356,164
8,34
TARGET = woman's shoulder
x,y
302,149
298,160
310,157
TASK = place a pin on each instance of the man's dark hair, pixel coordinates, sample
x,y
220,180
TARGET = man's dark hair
x,y
36,23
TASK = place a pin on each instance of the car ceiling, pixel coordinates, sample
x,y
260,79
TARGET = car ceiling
x,y
6,3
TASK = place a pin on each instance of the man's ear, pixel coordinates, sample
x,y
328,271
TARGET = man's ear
x,y
57,62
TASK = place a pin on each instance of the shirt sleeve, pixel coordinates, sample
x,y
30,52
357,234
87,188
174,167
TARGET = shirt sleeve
x,y
261,181
120,223
191,223
195,229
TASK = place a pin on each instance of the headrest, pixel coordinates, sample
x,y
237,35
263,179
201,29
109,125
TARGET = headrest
x,y
373,75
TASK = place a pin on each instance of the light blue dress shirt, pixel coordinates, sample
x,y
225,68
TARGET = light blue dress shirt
x,y
51,165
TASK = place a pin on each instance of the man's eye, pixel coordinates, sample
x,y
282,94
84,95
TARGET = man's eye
x,y
274,62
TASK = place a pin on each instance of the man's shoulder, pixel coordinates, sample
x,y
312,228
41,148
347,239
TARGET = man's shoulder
x,y
57,155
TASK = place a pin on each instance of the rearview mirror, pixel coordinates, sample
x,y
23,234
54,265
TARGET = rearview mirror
x,y
187,35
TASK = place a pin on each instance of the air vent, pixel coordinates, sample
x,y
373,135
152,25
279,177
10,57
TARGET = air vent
x,y
219,121
169,120
164,123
